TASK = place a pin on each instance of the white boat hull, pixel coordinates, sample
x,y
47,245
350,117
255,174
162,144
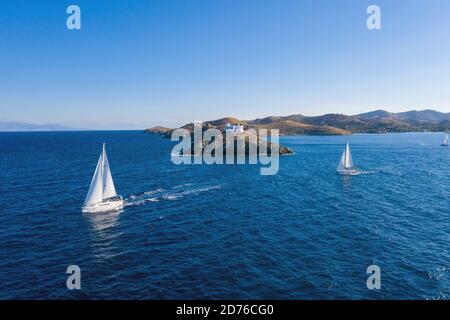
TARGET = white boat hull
x,y
348,172
104,206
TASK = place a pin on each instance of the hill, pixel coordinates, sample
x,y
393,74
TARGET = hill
x,y
424,116
379,121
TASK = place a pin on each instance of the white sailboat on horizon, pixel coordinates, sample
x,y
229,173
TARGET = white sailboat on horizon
x,y
346,166
102,195
446,141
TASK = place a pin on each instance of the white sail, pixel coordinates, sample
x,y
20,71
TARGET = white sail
x,y
348,161
102,189
445,142
95,193
341,163
109,190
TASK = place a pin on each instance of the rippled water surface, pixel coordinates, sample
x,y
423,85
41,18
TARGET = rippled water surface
x,y
225,231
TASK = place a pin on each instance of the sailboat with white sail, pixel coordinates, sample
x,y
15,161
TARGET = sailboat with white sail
x,y
445,142
102,194
346,166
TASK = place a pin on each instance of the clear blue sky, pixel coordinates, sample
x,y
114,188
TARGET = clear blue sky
x,y
138,63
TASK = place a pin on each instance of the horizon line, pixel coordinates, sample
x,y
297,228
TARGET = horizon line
x,y
70,128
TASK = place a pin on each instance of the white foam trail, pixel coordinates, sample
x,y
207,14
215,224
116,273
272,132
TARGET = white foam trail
x,y
364,172
171,197
147,193
182,185
157,195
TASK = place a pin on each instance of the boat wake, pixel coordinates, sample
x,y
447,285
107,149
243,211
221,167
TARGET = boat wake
x,y
362,172
160,194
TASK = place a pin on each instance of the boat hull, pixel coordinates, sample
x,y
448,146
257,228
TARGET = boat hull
x,y
348,172
105,206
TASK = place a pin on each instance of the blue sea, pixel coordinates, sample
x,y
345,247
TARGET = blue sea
x,y
225,231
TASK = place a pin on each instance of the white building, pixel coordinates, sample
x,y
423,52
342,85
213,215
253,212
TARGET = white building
x,y
234,129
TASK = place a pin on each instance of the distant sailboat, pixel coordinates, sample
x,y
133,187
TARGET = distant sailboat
x,y
102,194
346,166
445,142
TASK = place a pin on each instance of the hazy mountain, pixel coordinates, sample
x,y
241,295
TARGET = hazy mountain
x,y
378,121
424,116
20,126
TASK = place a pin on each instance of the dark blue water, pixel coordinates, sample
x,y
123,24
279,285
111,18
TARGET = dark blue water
x,y
225,231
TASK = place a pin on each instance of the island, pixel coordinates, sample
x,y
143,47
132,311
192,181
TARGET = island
x,y
379,121
231,127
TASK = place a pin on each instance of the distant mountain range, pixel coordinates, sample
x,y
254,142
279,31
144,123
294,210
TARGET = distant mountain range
x,y
379,121
20,126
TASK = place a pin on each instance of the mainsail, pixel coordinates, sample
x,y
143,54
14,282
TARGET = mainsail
x,y
346,159
445,142
109,190
102,185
